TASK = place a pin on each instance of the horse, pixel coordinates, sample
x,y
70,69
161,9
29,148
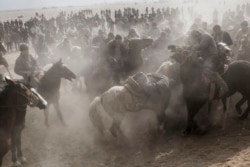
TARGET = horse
x,y
132,97
238,79
14,99
49,86
196,89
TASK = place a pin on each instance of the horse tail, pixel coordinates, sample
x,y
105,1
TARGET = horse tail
x,y
95,110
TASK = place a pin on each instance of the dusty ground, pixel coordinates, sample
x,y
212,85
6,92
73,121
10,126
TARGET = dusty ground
x,y
76,145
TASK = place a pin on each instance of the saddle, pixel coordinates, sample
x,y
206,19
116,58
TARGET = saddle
x,y
145,90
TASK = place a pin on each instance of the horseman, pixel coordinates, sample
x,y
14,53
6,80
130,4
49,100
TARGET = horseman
x,y
206,45
116,56
26,66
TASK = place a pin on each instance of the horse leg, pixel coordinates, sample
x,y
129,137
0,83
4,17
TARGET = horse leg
x,y
193,108
245,114
96,119
225,113
14,147
4,148
20,156
239,104
115,130
59,113
46,116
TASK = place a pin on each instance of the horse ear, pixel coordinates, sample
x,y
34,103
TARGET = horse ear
x,y
9,81
60,61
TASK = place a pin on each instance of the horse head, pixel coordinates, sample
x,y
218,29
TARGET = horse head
x,y
65,72
184,55
190,63
25,96
223,49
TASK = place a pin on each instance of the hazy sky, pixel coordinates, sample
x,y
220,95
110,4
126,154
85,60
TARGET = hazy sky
x,y
27,4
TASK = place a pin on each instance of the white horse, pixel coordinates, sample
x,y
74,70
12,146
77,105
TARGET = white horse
x,y
120,100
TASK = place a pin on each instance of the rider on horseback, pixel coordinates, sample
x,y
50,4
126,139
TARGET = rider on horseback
x,y
116,56
26,66
206,45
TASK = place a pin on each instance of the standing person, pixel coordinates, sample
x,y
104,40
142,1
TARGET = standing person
x,y
26,66
99,39
242,42
2,48
221,36
244,32
154,32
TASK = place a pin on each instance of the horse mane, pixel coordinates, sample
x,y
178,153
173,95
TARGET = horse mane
x,y
49,72
50,79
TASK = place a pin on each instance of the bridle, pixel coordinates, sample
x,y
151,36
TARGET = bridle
x,y
31,97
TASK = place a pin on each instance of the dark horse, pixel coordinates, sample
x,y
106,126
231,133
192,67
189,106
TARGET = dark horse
x,y
238,79
49,87
14,98
196,88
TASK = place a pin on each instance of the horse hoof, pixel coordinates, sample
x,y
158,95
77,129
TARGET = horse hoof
x,y
23,160
15,164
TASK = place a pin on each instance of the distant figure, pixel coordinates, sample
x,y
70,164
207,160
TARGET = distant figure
x,y
221,36
26,66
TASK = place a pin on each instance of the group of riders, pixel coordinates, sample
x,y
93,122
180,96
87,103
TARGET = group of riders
x,y
114,45
106,38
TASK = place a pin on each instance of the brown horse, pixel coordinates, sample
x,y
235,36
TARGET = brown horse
x,y
14,97
196,90
49,87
